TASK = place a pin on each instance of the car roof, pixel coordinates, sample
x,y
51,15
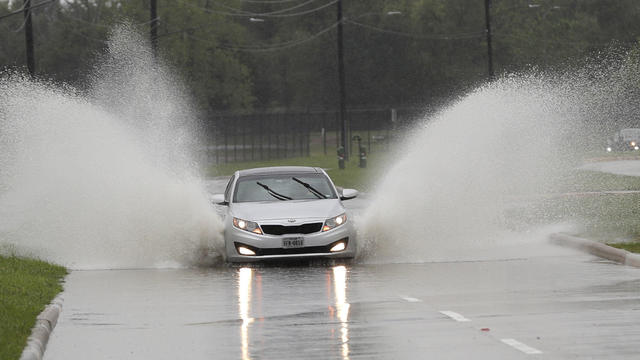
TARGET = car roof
x,y
279,170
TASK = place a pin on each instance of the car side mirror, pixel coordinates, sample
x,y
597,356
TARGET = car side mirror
x,y
218,199
348,194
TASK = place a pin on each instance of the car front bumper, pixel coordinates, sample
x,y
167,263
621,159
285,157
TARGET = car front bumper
x,y
270,247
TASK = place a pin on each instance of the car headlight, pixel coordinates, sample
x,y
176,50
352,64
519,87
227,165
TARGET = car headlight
x,y
334,222
247,225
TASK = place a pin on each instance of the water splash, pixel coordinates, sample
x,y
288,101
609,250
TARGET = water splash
x,y
104,178
449,193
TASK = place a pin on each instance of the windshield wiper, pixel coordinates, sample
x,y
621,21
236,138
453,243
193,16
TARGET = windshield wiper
x,y
273,193
311,189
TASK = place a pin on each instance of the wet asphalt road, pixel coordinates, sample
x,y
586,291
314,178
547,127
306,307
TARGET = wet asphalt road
x,y
537,300
557,306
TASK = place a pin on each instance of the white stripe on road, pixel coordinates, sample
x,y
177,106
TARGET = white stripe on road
x,y
410,299
455,316
520,346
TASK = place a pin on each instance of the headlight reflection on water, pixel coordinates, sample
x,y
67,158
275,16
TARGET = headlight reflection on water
x,y
339,308
245,277
342,306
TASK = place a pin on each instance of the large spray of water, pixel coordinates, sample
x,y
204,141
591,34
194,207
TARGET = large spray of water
x,y
460,171
106,178
103,178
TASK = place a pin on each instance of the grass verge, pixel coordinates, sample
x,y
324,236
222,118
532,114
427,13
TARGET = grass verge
x,y
633,247
351,177
26,287
604,216
578,198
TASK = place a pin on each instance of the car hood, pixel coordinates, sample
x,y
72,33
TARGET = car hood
x,y
295,209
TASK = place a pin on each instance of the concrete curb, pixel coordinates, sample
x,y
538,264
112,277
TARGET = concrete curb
x,y
597,249
45,323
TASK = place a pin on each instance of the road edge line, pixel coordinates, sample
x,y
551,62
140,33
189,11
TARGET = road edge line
x,y
596,248
45,323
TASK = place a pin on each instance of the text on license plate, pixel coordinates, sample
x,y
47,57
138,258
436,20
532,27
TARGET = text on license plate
x,y
293,242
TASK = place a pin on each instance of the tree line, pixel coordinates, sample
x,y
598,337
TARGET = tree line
x,y
244,56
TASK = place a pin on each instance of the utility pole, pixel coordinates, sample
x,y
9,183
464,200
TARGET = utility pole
x,y
487,13
153,17
343,107
28,35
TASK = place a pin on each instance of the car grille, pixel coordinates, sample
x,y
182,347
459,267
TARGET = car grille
x,y
296,229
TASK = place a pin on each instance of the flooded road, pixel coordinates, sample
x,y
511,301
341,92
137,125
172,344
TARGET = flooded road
x,y
529,299
559,305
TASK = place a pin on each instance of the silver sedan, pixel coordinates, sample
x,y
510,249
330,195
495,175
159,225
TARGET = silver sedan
x,y
285,212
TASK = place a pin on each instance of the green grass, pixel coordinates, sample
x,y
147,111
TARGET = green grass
x,y
606,216
633,247
603,217
26,286
585,180
351,177
614,155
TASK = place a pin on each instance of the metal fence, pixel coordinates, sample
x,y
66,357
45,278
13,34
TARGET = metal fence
x,y
268,136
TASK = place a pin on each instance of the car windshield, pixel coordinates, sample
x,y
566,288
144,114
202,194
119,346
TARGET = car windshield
x,y
283,187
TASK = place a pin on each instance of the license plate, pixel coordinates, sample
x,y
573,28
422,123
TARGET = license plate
x,y
293,242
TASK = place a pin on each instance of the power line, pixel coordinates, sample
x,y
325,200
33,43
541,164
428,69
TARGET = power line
x,y
69,16
22,9
183,30
271,15
455,36
74,18
267,2
15,12
69,29
197,28
20,27
249,13
306,12
286,44
270,47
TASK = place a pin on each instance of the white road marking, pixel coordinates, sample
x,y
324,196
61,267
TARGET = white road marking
x,y
455,316
410,299
520,346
